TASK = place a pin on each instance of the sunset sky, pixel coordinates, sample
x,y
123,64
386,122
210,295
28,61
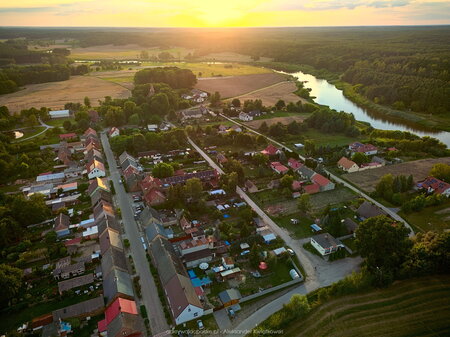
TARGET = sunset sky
x,y
222,13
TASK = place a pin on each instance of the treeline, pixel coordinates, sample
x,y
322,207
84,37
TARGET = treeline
x,y
327,121
175,77
16,52
13,77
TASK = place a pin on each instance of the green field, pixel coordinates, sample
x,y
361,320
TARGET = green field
x,y
298,231
418,307
337,196
59,121
436,218
323,139
283,114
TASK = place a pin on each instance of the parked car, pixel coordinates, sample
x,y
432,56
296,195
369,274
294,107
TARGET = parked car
x,y
290,251
200,324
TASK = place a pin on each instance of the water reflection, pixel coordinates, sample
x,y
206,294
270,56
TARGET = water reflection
x,y
328,94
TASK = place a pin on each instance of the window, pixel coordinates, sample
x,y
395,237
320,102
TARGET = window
x,y
195,314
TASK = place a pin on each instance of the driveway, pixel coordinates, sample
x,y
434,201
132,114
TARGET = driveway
x,y
150,299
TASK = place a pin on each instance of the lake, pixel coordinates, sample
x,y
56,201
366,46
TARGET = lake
x,y
328,94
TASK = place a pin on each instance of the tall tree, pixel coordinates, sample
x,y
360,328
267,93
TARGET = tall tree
x,y
384,245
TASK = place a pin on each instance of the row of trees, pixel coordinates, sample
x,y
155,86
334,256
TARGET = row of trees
x,y
146,141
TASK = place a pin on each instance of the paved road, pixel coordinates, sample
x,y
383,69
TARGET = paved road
x,y
320,272
389,211
158,323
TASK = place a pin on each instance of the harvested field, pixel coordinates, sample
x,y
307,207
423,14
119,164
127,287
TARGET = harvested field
x,y
270,121
130,51
417,307
271,95
55,94
367,180
238,85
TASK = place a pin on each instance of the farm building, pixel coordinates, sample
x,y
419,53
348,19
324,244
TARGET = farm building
x,y
59,114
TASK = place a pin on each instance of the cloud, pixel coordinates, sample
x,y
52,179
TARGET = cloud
x,y
320,5
26,9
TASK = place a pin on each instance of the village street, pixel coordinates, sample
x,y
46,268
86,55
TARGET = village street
x,y
389,211
320,273
150,299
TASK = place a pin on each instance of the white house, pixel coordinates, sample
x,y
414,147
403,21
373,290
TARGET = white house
x,y
59,114
152,127
243,116
96,169
325,243
114,132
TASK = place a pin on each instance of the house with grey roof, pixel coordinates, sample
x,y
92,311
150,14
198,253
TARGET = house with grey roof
x,y
110,238
113,258
230,297
182,298
75,282
117,283
91,307
368,210
325,243
306,172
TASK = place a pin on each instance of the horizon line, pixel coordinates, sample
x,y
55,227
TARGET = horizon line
x,y
232,27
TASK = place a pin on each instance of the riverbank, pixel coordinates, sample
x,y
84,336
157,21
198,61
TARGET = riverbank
x,y
413,119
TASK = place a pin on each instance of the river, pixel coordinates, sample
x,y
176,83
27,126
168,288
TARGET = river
x,y
328,94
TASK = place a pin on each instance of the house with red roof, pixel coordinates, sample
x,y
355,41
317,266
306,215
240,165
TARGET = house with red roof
x,y
434,185
278,167
68,136
367,149
324,183
270,150
154,197
347,165
90,131
311,189
121,319
296,185
114,132
294,164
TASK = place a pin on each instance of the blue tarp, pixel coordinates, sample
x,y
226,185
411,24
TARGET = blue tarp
x,y
196,282
191,274
315,228
227,243
226,216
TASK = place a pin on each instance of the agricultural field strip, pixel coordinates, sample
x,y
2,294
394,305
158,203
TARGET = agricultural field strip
x,y
334,309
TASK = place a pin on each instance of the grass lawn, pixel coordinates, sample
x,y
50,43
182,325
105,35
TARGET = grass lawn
x,y
417,307
350,243
436,218
337,196
268,197
283,114
309,247
323,139
275,275
59,121
13,320
209,323
298,231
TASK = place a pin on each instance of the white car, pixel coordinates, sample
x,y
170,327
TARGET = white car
x,y
200,324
